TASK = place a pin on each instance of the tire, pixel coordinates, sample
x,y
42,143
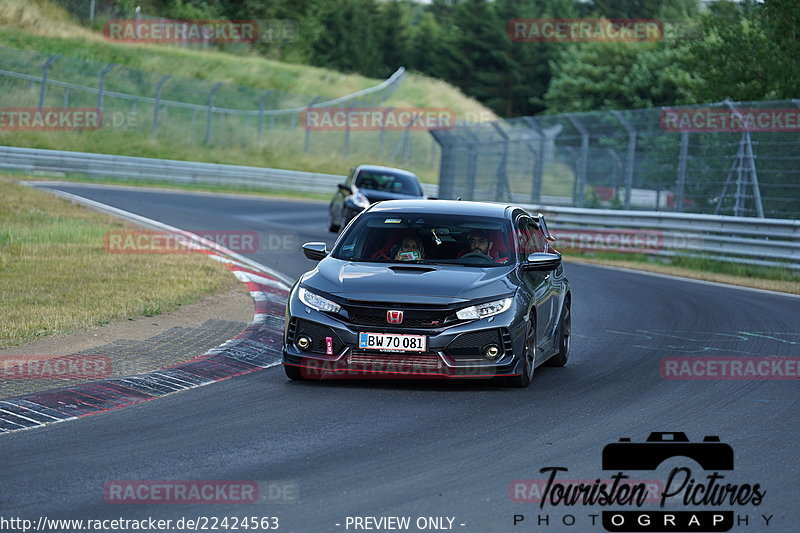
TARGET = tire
x,y
333,228
565,329
293,372
528,359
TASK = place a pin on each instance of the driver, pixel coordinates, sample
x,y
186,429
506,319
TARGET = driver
x,y
480,242
410,249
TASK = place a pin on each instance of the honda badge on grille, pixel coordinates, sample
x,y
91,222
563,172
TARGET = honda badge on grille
x,y
394,317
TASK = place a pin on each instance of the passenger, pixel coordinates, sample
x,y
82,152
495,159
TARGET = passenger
x,y
410,249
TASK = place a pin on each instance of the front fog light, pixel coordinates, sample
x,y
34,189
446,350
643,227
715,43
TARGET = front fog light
x,y
491,351
303,343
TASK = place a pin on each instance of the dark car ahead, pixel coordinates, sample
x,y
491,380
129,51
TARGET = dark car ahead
x,y
431,289
368,184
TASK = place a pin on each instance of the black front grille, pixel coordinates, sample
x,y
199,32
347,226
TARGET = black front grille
x,y
317,333
395,363
471,345
414,317
380,321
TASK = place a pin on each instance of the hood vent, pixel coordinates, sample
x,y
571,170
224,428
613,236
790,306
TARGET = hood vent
x,y
411,269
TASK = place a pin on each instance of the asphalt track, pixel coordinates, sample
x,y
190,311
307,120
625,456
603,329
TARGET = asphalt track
x,y
425,448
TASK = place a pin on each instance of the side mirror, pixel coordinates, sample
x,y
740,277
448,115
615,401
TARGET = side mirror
x,y
344,187
315,250
542,261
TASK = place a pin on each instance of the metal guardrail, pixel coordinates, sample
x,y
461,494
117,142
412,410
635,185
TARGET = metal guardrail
x,y
745,240
35,160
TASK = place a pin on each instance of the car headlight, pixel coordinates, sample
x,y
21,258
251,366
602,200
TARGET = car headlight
x,y
315,301
360,200
484,310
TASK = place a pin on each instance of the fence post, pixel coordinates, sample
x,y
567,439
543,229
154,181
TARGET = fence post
x,y
681,185
573,163
584,157
502,188
346,147
631,156
617,167
157,108
102,88
446,156
382,134
406,144
472,165
538,165
261,112
211,95
307,140
43,88
65,103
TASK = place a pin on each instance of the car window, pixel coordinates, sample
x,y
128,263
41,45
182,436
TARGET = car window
x,y
389,182
529,236
427,238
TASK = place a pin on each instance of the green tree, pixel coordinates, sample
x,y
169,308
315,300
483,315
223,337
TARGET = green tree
x,y
393,36
748,52
592,76
345,36
483,42
431,51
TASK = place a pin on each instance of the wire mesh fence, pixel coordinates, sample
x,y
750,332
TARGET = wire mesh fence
x,y
732,158
191,111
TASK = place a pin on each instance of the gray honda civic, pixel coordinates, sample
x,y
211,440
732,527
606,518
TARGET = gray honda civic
x,y
431,289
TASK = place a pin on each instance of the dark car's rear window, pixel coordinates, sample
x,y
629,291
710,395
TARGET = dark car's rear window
x,y
426,238
389,182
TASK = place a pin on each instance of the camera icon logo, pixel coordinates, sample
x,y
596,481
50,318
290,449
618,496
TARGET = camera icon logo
x,y
710,454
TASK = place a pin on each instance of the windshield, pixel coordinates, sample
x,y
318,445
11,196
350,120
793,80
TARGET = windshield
x,y
426,239
373,180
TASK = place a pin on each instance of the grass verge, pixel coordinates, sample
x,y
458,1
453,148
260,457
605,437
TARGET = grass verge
x,y
757,277
56,278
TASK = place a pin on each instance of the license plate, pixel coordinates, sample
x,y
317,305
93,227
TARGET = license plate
x,y
392,342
